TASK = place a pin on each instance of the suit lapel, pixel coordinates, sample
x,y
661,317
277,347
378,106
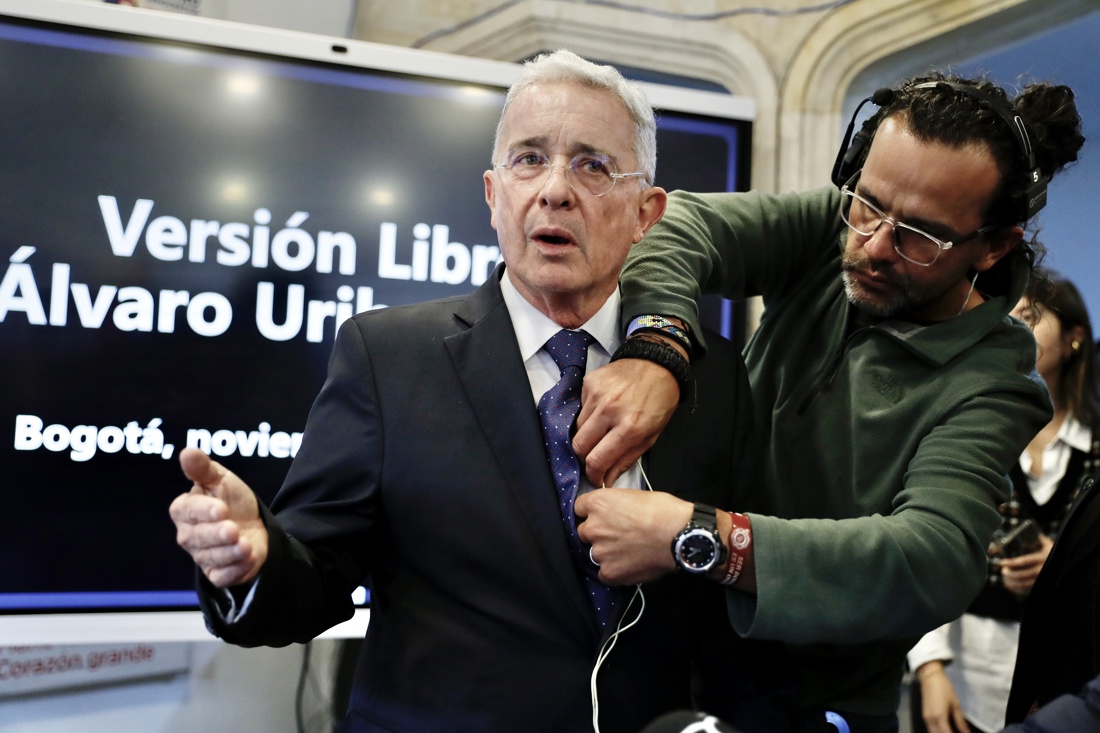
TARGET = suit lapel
x,y
664,462
487,360
1078,537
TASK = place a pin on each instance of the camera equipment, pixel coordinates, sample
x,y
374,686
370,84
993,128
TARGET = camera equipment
x,y
1020,539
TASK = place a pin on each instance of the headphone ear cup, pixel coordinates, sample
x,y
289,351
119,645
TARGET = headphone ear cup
x,y
850,159
853,150
1033,197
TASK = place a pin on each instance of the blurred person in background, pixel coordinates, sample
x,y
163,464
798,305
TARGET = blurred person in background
x,y
1059,648
963,670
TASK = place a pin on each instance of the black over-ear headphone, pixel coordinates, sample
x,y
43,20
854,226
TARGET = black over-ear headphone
x,y
853,150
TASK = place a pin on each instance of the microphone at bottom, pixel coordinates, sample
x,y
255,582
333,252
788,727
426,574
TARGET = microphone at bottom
x,y
686,721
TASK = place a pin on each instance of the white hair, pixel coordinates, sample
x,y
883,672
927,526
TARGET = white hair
x,y
566,67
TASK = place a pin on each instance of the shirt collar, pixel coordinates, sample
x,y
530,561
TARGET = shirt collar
x,y
1074,434
533,328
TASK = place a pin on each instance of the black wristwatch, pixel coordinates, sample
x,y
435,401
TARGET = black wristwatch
x,y
698,548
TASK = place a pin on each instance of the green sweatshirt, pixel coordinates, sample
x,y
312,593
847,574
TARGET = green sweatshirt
x,y
884,448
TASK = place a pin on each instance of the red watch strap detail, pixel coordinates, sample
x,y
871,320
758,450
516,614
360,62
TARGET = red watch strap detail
x,y
738,544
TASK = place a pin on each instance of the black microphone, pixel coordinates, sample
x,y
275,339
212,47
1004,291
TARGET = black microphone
x,y
884,96
853,148
686,721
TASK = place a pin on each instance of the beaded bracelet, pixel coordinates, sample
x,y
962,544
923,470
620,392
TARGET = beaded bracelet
x,y
660,324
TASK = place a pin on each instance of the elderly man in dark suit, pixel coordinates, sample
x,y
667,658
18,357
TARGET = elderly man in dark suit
x,y
424,466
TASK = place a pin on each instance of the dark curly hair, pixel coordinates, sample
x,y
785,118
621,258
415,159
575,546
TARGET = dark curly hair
x,y
947,115
941,113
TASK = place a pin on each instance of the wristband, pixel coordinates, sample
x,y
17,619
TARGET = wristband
x,y
739,543
662,354
660,324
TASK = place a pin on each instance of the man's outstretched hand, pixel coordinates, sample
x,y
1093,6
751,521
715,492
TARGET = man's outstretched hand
x,y
218,522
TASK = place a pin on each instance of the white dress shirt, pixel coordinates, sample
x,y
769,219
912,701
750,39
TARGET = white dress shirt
x,y
533,330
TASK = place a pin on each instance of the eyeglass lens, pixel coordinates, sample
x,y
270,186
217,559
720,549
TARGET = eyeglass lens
x,y
911,243
591,172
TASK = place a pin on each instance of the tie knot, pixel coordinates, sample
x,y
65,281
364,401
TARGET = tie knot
x,y
569,348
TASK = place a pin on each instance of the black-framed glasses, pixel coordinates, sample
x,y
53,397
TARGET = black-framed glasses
x,y
588,172
914,245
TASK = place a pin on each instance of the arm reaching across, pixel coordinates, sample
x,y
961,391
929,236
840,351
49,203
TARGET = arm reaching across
x,y
218,522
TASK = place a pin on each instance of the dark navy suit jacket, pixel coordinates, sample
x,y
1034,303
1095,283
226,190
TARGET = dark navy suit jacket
x,y
423,467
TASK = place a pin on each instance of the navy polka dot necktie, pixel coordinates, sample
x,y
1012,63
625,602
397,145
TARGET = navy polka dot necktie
x,y
558,409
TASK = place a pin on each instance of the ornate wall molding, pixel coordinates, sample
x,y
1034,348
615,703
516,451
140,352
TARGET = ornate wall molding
x,y
692,49
798,69
881,42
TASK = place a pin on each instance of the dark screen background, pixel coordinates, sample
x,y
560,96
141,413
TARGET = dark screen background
x,y
205,135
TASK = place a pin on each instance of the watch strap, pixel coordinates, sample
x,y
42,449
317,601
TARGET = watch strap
x,y
704,519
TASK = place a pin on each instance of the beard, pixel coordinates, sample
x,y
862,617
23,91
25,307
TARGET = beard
x,y
901,295
880,306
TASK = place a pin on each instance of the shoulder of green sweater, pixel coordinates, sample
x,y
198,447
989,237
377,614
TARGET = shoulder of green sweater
x,y
827,196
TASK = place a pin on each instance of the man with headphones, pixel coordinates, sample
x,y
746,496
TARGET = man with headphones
x,y
891,390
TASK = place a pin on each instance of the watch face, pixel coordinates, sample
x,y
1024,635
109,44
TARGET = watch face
x,y
696,550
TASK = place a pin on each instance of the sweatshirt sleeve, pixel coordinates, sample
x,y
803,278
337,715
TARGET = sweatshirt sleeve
x,y
933,646
737,245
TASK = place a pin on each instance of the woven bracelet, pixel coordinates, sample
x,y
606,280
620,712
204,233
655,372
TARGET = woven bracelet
x,y
664,355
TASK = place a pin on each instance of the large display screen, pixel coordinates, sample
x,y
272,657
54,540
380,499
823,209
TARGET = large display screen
x,y
184,225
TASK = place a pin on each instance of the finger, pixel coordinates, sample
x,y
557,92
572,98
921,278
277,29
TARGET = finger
x,y
230,575
613,456
216,558
959,720
1022,563
590,429
584,507
592,509
618,470
199,538
1028,571
1032,558
1019,587
582,534
605,455
597,476
580,507
192,508
198,467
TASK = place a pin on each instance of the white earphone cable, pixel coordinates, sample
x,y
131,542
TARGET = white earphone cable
x,y
609,644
